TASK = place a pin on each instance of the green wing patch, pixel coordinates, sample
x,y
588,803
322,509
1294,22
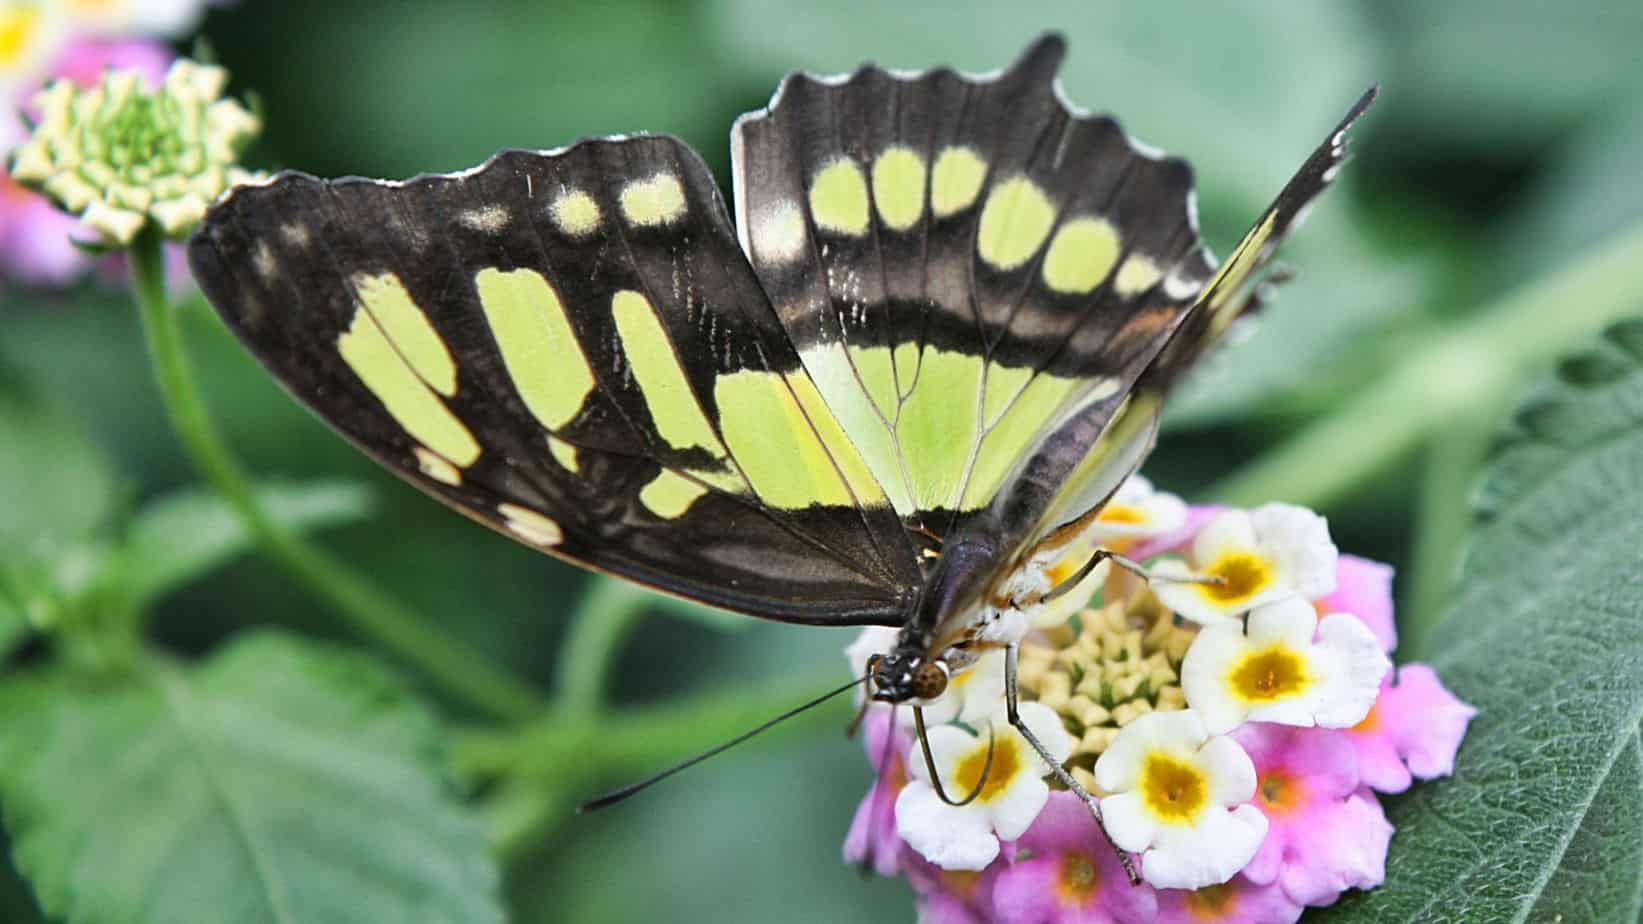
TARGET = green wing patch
x,y
570,348
960,261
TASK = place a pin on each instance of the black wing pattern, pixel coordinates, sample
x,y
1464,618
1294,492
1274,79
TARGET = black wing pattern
x,y
570,348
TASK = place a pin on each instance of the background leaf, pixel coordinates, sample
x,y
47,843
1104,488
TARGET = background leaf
x,y
56,486
279,782
1546,639
176,538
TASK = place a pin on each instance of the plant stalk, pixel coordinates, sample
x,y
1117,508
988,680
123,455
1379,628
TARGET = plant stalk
x,y
458,669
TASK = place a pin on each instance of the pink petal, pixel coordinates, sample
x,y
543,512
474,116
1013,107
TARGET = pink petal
x,y
872,839
961,896
1326,834
1197,516
1413,731
1364,589
1028,892
1242,902
1424,721
1323,759
83,60
1341,849
35,245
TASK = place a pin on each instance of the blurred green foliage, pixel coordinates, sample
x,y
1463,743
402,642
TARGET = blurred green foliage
x,y
1505,147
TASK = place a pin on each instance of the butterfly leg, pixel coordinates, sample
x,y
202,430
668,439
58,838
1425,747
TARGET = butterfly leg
x,y
1012,703
1128,564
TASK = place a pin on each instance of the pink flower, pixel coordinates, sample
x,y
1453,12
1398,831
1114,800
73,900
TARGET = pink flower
x,y
1072,876
1237,902
1413,730
1326,834
35,244
952,896
1197,517
872,841
83,60
1364,589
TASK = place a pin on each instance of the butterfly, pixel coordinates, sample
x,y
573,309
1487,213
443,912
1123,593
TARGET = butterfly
x,y
933,342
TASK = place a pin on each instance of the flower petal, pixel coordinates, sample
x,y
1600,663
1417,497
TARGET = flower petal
x,y
1208,853
1231,772
947,836
1204,672
1354,666
1231,530
1119,766
1132,827
1013,811
1364,589
1298,540
1291,622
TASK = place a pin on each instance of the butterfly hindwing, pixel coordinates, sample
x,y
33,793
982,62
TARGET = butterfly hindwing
x,y
569,347
961,262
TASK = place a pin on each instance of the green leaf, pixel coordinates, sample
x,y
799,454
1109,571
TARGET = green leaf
x,y
1546,639
12,625
56,487
280,782
177,538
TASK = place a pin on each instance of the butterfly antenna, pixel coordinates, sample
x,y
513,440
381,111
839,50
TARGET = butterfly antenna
x,y
633,789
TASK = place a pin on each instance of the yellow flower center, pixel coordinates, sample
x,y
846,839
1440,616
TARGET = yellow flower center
x,y
1006,764
17,28
1242,575
1271,675
960,882
1280,793
1175,791
1212,903
1119,513
1078,879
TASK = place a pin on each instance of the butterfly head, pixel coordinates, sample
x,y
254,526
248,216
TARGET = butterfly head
x,y
907,675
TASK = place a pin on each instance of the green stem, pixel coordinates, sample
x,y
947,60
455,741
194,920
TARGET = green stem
x,y
1444,519
1451,380
607,615
461,671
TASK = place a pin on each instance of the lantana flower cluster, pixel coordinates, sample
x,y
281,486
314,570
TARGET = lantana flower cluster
x,y
1235,713
77,42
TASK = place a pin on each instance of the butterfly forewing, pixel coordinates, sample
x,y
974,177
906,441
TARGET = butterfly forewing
x,y
570,348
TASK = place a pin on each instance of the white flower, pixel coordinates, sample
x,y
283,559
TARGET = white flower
x,y
1276,672
1276,551
1136,511
1172,790
973,693
121,155
965,837
30,35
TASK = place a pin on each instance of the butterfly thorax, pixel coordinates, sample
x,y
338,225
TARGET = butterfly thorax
x,y
953,620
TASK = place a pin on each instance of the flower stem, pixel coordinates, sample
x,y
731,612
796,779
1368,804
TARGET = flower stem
x,y
460,670
1451,380
606,616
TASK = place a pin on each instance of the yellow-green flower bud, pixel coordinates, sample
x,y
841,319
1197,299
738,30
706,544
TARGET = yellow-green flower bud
x,y
122,155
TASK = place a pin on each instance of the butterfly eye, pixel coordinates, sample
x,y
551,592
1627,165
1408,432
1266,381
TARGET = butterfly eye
x,y
929,680
873,663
